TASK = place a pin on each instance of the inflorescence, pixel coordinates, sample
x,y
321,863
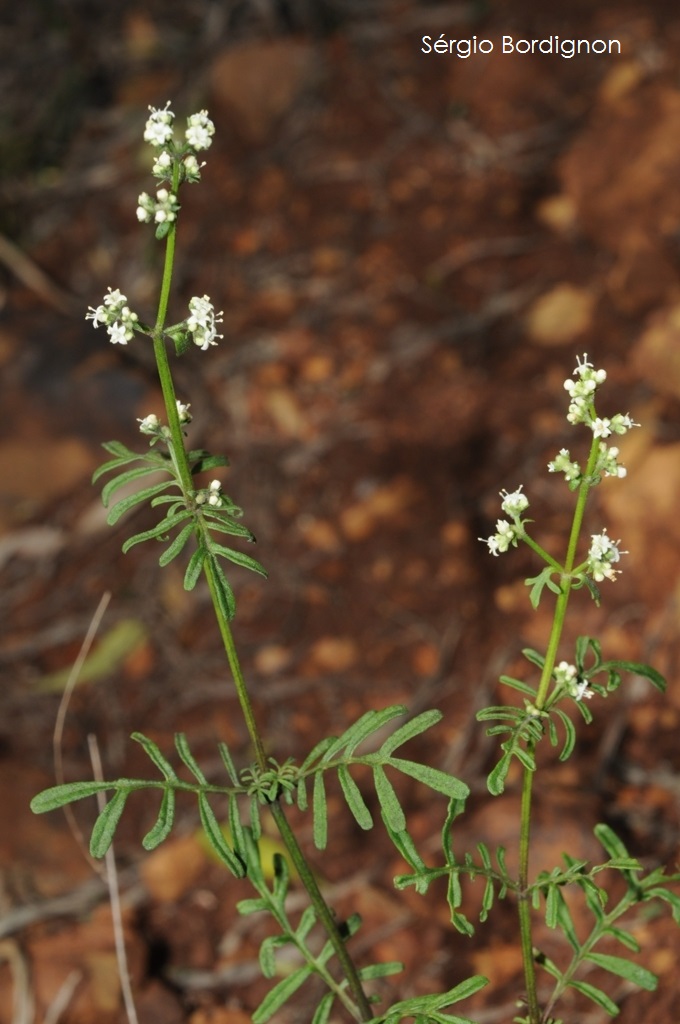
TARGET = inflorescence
x,y
604,553
175,163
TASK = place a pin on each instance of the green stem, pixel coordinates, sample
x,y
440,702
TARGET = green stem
x,y
236,673
523,905
323,911
360,1008
559,616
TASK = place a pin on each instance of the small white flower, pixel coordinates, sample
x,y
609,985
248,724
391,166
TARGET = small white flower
x,y
158,130
145,208
583,691
200,130
514,504
118,333
203,322
97,316
115,299
563,464
604,553
620,424
150,424
183,412
601,427
214,493
162,165
608,463
499,542
163,208
114,312
565,673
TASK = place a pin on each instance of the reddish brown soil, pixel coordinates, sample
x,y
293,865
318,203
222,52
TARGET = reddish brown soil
x,y
410,250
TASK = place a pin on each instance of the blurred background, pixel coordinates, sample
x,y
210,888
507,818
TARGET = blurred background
x,y
410,249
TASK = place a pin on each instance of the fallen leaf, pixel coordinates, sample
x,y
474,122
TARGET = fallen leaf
x,y
122,640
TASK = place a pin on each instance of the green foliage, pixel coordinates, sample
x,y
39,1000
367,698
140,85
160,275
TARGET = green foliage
x,y
525,727
429,1009
257,787
190,517
497,881
640,888
272,900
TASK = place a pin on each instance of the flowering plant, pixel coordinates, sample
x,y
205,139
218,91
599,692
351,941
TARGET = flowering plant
x,y
202,518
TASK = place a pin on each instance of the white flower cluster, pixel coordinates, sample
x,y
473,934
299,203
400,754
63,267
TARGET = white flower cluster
x,y
152,425
563,464
163,209
203,322
567,675
115,313
507,534
211,496
604,553
582,410
582,391
160,134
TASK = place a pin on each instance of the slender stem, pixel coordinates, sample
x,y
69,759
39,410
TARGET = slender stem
x,y
523,906
559,616
237,674
361,1007
323,911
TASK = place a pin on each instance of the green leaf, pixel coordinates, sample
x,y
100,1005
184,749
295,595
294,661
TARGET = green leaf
x,y
625,938
317,751
517,684
533,656
124,478
267,956
228,762
280,994
307,922
355,800
163,825
627,969
201,461
252,906
156,532
240,559
225,524
537,583
597,996
414,727
178,543
569,734
182,746
223,591
125,504
323,1010
637,669
360,731
320,813
152,751
105,825
440,781
216,838
497,776
611,842
236,827
389,802
58,796
194,568
281,878
385,970
667,896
